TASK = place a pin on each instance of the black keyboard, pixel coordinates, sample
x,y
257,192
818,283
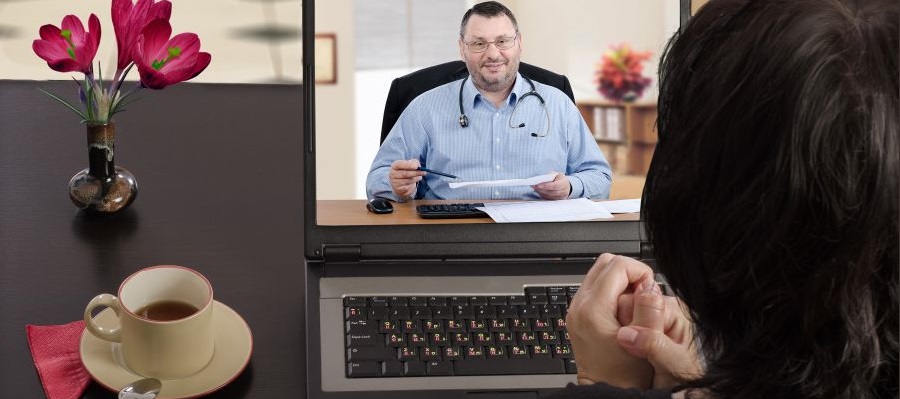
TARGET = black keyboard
x,y
444,211
414,336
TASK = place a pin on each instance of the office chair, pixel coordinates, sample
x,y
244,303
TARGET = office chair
x,y
405,88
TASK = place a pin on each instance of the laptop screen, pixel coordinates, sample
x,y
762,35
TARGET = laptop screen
x,y
358,47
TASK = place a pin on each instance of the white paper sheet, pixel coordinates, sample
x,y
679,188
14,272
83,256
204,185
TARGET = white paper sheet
x,y
623,206
545,211
504,183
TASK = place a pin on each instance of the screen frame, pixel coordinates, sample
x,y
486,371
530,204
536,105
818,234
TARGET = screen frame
x,y
451,241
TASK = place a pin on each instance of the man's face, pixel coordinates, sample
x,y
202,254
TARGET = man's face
x,y
494,69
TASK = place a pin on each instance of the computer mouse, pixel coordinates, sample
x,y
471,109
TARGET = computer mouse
x,y
379,205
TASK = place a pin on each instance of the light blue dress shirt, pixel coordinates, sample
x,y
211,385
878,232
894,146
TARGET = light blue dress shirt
x,y
489,149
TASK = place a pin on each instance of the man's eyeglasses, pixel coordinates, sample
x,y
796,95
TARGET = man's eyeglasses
x,y
503,43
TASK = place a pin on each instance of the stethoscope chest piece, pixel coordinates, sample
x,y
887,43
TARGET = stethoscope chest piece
x,y
464,120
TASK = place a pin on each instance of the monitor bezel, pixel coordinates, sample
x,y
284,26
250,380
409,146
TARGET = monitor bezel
x,y
447,241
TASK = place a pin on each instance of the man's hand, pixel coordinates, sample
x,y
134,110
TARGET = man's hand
x,y
403,177
593,324
659,331
557,189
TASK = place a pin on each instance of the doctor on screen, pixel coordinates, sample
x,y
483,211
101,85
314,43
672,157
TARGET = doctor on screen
x,y
494,124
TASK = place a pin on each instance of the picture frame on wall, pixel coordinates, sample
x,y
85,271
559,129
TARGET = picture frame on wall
x,y
326,58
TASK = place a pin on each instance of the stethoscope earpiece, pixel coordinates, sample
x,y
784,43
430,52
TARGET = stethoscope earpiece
x,y
464,120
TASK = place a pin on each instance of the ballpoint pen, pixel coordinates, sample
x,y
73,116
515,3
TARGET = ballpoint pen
x,y
436,172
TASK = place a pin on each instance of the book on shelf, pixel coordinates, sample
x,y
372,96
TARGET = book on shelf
x,y
608,123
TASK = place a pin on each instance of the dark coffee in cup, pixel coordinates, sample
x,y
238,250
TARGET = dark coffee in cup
x,y
166,310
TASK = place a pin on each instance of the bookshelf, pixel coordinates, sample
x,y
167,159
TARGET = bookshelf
x,y
625,132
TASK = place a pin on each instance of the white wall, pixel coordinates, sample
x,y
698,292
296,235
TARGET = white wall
x,y
233,31
335,107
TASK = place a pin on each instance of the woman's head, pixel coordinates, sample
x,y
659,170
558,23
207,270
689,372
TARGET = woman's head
x,y
772,198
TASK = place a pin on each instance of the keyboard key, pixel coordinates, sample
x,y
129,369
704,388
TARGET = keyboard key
x,y
419,312
362,327
562,351
355,301
399,313
366,353
356,313
496,300
437,301
462,339
570,366
388,326
455,326
379,313
436,367
411,326
495,352
408,353
394,340
516,300
418,301
414,368
537,299
430,353
441,312
433,326
499,325
452,353
540,352
485,312
463,312
518,352
474,352
508,366
507,311
529,291
391,368
541,325
398,301
459,301
364,340
363,369
378,301
478,300
476,326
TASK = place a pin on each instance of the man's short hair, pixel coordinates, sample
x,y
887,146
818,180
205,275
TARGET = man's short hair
x,y
487,9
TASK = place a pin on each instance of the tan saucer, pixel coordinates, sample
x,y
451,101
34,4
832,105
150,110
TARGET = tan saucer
x,y
234,344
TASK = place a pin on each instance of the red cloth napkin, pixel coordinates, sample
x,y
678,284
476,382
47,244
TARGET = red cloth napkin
x,y
56,356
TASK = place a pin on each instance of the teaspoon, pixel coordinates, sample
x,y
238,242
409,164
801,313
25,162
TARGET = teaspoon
x,y
146,388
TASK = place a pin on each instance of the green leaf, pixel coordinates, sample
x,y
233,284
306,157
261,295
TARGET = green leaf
x,y
65,103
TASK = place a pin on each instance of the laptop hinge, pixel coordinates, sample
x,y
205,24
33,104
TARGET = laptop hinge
x,y
341,253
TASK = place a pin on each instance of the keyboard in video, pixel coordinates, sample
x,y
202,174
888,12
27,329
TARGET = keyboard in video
x,y
410,336
443,211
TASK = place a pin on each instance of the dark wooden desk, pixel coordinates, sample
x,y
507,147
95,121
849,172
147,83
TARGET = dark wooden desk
x,y
219,174
354,213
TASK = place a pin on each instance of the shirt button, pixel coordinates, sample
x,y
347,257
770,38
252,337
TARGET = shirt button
x,y
497,166
498,139
496,193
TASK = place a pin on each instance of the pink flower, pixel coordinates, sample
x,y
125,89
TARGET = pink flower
x,y
129,20
162,61
70,49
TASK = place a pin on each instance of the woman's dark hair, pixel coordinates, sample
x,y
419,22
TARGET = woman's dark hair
x,y
772,198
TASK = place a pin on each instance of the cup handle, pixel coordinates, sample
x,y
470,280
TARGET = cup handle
x,y
104,333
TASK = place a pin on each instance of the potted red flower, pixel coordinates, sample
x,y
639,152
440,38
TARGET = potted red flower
x,y
144,40
619,74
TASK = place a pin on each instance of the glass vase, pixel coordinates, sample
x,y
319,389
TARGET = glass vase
x,y
103,187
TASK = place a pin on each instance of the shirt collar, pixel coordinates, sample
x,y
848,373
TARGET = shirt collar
x,y
472,96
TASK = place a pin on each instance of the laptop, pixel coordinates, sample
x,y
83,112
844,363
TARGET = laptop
x,y
400,306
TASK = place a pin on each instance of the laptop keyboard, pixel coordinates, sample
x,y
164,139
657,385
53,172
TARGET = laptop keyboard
x,y
415,336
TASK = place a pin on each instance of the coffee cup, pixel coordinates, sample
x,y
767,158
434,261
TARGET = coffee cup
x,y
165,321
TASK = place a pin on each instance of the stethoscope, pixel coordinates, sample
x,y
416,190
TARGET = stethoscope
x,y
464,120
